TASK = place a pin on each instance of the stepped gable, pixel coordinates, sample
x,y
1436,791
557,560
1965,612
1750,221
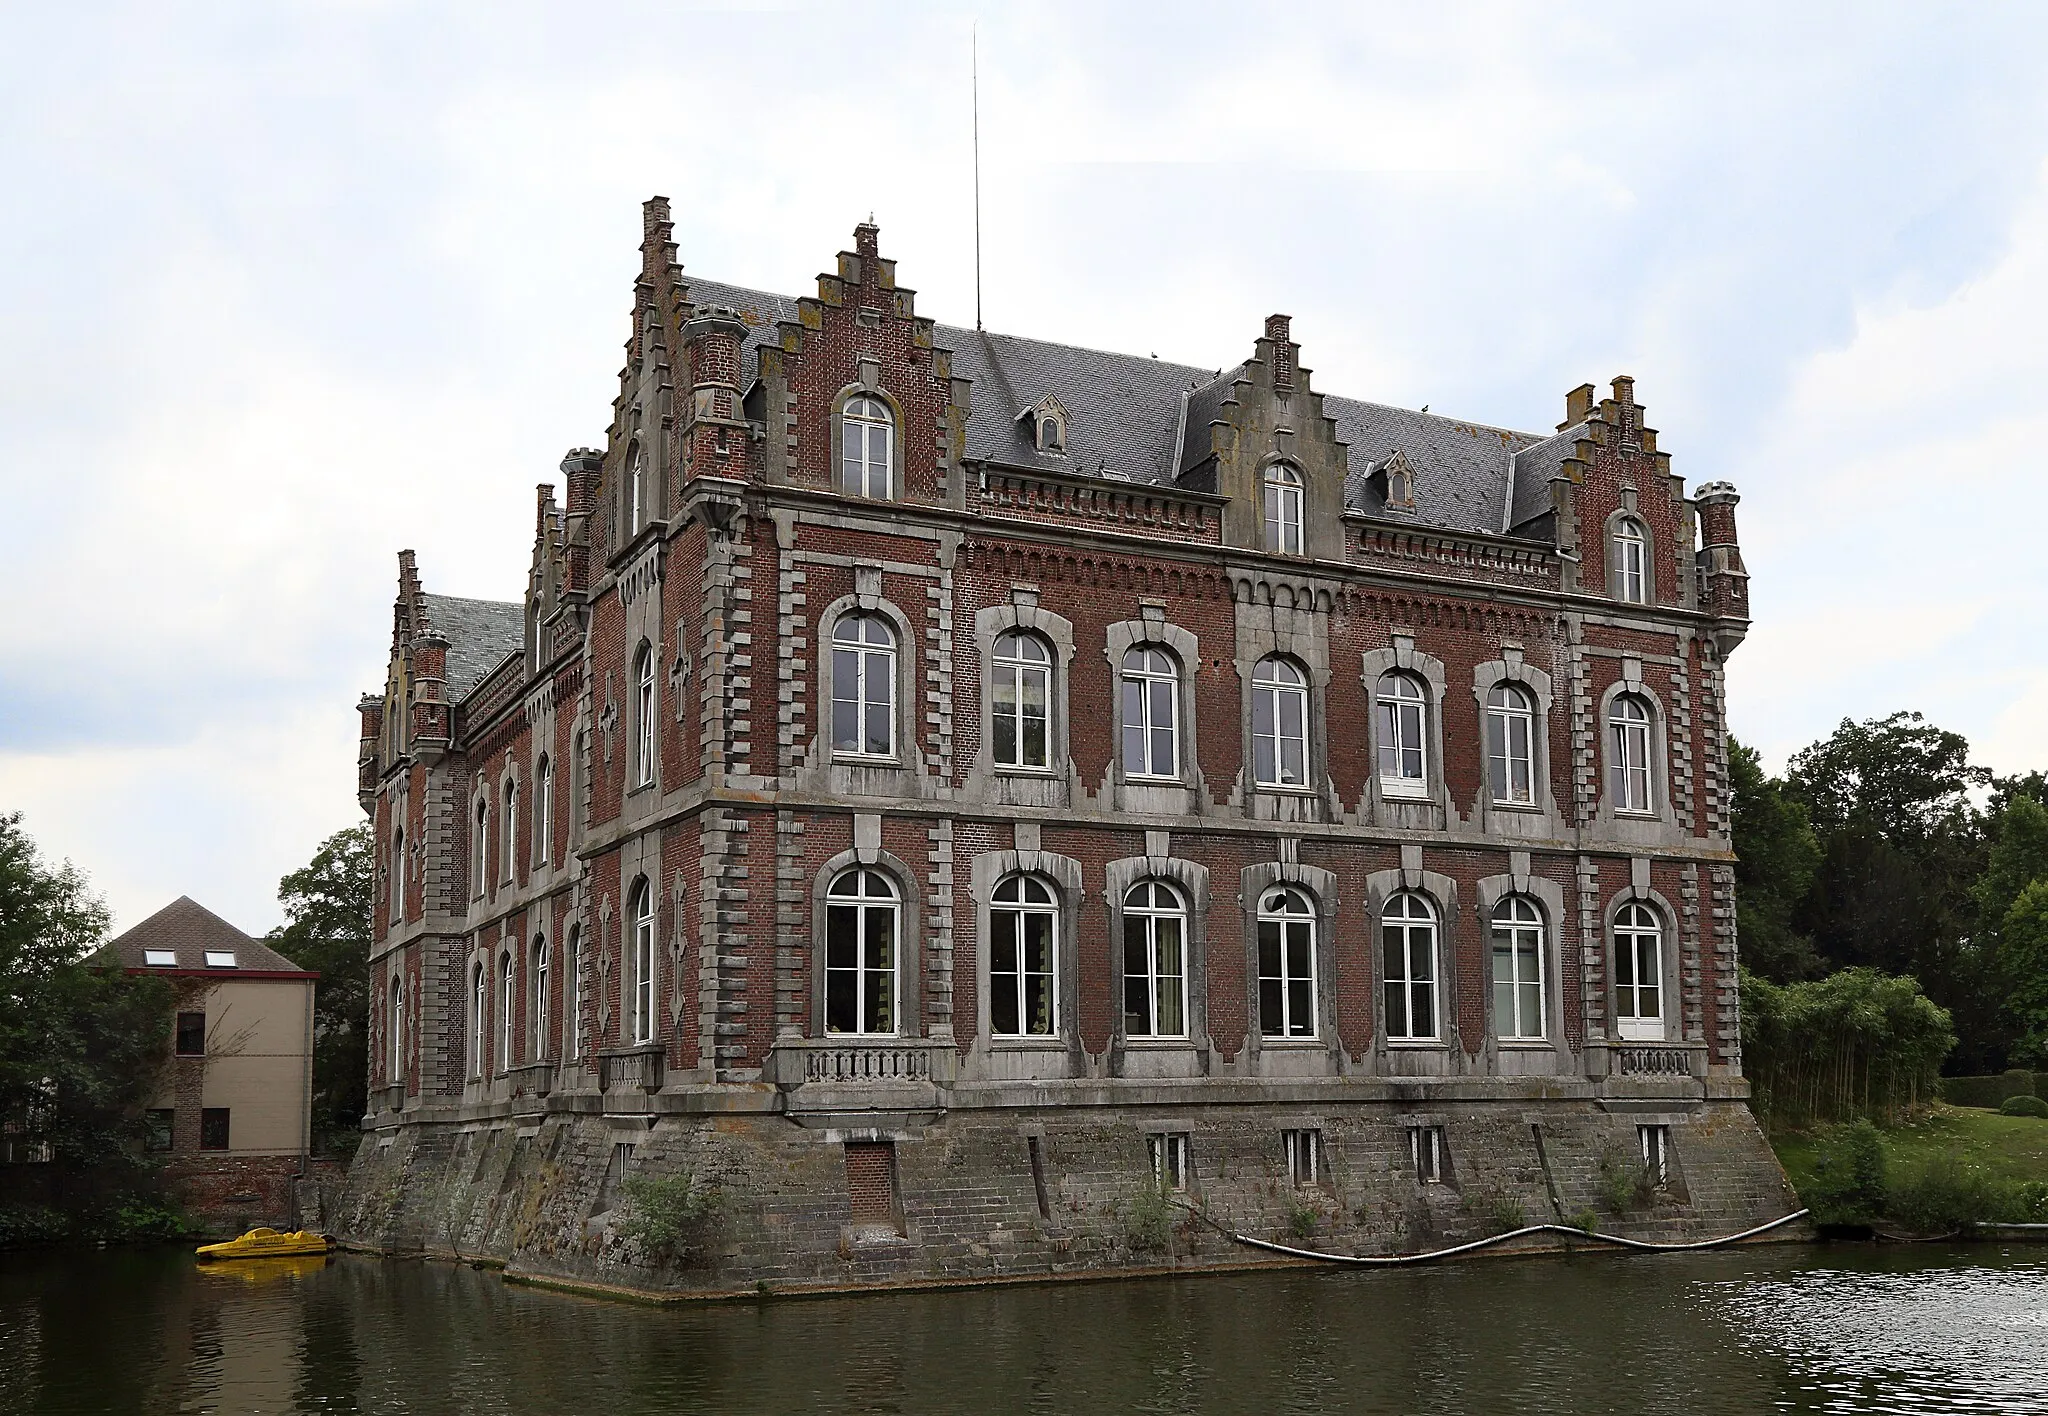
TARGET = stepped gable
x,y
188,929
1125,412
481,635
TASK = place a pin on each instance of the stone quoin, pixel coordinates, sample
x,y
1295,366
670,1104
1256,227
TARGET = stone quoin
x,y
938,787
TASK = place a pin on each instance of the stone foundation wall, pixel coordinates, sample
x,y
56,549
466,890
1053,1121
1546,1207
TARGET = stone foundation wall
x,y
546,1197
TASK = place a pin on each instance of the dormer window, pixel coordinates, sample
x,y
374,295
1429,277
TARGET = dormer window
x,y
1047,421
1631,554
866,432
1283,509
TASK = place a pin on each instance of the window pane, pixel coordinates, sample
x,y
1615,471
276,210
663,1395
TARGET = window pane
x,y
1134,725
1293,771
1264,767
840,932
1163,764
879,946
1297,951
1002,943
1167,936
845,705
1269,948
1422,1010
1301,1011
1262,710
1397,1008
1531,1020
1269,1007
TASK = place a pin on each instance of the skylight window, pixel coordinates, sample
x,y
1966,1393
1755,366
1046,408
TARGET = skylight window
x,y
219,959
160,958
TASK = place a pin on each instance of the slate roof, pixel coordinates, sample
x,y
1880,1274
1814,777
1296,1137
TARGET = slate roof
x,y
480,635
188,929
1124,412
1534,467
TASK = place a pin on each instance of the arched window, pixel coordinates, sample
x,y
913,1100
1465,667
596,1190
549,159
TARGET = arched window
x,y
397,877
1517,969
863,686
1628,754
1287,965
1155,961
537,1010
1279,724
1510,745
642,963
508,831
1021,699
394,1071
1283,509
866,428
636,494
507,982
1408,968
1638,972
1631,561
1403,758
572,1006
1051,436
544,811
1151,713
861,929
1023,983
643,716
479,1018
483,847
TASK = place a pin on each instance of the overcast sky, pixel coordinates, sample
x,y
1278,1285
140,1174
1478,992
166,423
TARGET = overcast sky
x,y
286,287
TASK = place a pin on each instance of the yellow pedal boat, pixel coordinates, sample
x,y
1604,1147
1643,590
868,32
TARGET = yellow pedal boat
x,y
268,1244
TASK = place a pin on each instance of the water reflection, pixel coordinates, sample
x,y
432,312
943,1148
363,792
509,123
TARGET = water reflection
x,y
1844,1330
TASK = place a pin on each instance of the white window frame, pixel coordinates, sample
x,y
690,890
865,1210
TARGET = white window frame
x,y
394,1073
1631,561
1629,745
1638,938
508,982
1409,936
1517,940
644,710
636,493
1023,662
544,810
537,1010
483,846
508,831
479,1021
397,912
1151,693
1428,1153
858,662
1403,723
1171,1154
1018,904
1303,1148
1277,683
643,964
867,425
1511,745
572,1011
868,893
1291,917
1283,505
1145,914
1653,1139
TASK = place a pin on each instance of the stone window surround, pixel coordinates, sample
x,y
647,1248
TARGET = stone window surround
x,y
1670,998
1155,795
868,385
507,873
1051,785
1191,879
477,887
1441,893
1266,628
1549,899
989,870
1541,814
537,1049
646,649
639,864
868,600
910,1021
1320,886
1631,682
505,993
1610,541
1432,809
1264,473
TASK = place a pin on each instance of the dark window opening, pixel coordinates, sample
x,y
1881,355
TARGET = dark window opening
x,y
1038,1176
213,1128
1426,1149
191,1034
1304,1156
161,1124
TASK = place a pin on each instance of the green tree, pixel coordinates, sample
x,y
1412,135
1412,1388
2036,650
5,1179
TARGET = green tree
x,y
327,928
1777,855
2023,955
81,1048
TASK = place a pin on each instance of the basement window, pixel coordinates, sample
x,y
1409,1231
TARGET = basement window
x,y
1169,1155
160,958
1656,1147
219,959
1426,1148
1304,1155
213,1128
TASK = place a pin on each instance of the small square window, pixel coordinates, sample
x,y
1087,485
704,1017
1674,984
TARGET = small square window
x,y
1656,1147
219,959
1304,1155
1169,1154
160,958
191,1034
213,1128
1426,1149
160,1121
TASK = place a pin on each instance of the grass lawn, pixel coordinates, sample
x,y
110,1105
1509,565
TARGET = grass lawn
x,y
2007,1148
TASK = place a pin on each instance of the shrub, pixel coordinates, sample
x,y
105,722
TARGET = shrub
x,y
145,1221
1148,1220
1302,1219
1944,1195
1501,1211
1986,1091
1849,1181
667,1212
1856,1043
2023,1106
1586,1220
26,1226
1624,1187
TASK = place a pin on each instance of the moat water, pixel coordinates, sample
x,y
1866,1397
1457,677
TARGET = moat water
x,y
1783,1328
